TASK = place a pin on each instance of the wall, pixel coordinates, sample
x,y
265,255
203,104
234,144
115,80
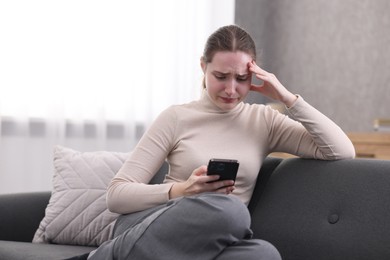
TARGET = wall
x,y
336,54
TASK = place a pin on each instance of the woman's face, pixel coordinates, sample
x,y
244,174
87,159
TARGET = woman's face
x,y
227,78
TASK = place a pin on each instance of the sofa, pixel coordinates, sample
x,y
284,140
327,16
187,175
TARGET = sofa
x,y
308,209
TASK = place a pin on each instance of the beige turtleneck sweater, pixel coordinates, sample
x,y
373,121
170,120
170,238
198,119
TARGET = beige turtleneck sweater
x,y
188,135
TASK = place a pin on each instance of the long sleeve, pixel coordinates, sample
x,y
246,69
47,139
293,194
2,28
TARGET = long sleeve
x,y
311,135
188,135
129,190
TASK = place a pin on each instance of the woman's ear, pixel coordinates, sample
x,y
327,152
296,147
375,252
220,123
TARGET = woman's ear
x,y
203,64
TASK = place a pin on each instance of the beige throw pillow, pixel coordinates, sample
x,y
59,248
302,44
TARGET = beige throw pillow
x,y
77,213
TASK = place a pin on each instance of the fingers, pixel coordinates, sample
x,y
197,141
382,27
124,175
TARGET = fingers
x,y
201,176
200,170
226,186
262,74
259,73
210,183
254,68
256,87
271,87
226,189
201,182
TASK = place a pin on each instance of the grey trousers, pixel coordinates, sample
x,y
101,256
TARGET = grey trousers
x,y
205,226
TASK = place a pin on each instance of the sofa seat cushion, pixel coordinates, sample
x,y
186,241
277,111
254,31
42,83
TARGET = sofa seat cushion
x,y
29,251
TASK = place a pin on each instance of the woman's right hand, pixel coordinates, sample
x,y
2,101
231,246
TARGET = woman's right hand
x,y
200,182
271,87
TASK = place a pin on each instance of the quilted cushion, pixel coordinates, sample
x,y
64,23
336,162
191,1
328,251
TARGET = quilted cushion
x,y
77,213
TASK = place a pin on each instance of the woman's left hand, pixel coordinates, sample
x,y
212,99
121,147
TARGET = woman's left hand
x,y
271,87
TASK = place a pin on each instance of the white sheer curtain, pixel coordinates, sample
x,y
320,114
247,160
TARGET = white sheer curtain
x,y
92,75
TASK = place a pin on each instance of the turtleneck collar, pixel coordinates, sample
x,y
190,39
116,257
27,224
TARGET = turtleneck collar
x,y
208,105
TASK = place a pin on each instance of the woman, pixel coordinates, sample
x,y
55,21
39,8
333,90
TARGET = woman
x,y
192,215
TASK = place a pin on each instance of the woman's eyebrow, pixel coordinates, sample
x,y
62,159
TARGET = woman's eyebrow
x,y
228,73
222,73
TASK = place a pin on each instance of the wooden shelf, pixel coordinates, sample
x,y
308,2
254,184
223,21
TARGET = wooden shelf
x,y
371,144
282,155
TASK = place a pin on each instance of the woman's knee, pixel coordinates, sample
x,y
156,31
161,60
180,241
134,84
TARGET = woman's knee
x,y
221,212
265,250
250,249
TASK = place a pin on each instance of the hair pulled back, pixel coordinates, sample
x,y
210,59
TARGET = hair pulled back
x,y
229,38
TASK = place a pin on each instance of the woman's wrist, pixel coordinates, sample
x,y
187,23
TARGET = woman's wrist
x,y
176,191
289,99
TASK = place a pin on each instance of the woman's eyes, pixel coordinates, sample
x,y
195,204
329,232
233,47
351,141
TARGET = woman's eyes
x,y
242,78
221,77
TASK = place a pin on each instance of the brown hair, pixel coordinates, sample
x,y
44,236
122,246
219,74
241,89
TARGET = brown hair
x,y
228,38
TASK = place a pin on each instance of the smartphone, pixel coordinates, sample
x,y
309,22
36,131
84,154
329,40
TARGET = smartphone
x,y
225,168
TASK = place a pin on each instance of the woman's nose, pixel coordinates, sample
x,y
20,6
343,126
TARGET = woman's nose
x,y
230,88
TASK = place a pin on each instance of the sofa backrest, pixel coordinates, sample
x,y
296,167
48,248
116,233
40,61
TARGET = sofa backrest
x,y
312,209
21,213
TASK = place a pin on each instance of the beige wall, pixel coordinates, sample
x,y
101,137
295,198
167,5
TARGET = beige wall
x,y
335,53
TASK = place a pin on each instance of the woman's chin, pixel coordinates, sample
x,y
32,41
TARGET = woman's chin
x,y
227,105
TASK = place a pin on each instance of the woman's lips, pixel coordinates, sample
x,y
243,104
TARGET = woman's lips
x,y
228,100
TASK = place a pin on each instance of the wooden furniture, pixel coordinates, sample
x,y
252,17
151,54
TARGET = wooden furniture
x,y
382,124
282,155
374,145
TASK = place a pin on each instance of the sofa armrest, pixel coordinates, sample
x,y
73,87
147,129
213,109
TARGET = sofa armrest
x,y
21,213
268,167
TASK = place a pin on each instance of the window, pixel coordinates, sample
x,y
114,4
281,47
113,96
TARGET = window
x,y
79,72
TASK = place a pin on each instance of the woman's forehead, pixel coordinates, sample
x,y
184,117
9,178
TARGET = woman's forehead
x,y
227,62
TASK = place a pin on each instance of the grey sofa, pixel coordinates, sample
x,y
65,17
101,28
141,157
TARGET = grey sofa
x,y
308,209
